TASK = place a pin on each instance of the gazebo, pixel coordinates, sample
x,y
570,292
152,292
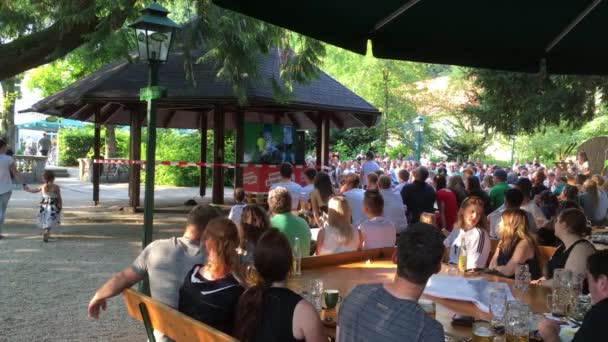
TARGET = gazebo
x,y
110,95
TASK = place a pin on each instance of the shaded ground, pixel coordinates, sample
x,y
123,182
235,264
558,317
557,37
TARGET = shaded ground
x,y
45,288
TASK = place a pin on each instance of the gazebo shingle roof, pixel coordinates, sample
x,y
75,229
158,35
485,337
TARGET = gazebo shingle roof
x,y
116,88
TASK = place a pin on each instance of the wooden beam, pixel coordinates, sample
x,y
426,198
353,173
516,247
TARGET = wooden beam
x,y
239,146
96,155
108,111
135,154
168,119
324,139
202,124
84,112
336,120
293,120
319,137
300,148
217,196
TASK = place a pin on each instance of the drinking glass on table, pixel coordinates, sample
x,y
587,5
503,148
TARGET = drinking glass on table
x,y
482,332
517,322
498,305
522,277
316,292
559,299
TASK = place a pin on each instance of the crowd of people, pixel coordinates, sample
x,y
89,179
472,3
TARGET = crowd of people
x,y
424,208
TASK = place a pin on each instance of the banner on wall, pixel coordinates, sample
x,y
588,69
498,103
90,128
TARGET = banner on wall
x,y
259,179
269,144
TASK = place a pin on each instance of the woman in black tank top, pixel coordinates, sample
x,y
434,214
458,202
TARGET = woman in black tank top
x,y
266,311
571,228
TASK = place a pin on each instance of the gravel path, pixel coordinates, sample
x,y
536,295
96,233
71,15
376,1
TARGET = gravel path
x,y
45,288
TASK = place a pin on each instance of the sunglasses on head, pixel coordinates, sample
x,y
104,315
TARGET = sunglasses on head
x,y
473,199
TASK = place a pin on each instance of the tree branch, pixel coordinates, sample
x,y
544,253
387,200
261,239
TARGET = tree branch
x,y
55,41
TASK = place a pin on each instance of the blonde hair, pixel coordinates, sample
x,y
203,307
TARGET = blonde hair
x,y
513,228
590,187
339,215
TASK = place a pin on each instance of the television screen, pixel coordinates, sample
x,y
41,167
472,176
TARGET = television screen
x,y
269,144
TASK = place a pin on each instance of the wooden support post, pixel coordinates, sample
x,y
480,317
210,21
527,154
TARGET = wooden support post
x,y
325,139
135,154
96,155
239,151
300,148
318,148
217,196
203,176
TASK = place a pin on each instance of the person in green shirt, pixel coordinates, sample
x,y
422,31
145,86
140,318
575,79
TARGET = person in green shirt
x,y
279,203
497,192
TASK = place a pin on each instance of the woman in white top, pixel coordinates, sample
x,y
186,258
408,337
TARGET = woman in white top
x,y
338,234
582,163
7,169
470,230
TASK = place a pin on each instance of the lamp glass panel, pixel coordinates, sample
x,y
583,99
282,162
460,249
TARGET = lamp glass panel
x,y
142,43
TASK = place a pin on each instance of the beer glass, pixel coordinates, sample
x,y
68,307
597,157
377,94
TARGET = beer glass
x,y
517,322
522,277
559,299
482,332
498,305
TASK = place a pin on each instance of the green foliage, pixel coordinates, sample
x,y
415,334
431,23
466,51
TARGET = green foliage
x,y
514,103
78,143
461,146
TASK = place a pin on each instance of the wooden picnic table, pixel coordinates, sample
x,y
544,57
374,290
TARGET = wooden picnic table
x,y
346,277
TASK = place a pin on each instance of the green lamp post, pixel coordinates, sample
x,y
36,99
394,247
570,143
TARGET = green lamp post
x,y
418,129
154,33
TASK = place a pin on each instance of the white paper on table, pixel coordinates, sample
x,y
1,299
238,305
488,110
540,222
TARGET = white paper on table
x,y
475,290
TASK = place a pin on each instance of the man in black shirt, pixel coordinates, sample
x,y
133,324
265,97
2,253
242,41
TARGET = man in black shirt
x,y
594,324
418,196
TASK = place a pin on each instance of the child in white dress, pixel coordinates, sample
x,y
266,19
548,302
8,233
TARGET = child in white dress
x,y
49,215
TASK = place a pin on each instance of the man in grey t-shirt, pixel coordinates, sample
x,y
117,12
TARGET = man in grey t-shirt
x,y
166,263
44,145
390,311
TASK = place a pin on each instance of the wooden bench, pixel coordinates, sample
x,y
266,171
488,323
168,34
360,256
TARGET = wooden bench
x,y
172,323
346,258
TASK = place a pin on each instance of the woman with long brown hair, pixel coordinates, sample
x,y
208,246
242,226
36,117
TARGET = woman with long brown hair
x,y
254,222
269,311
515,246
320,195
470,232
211,291
338,234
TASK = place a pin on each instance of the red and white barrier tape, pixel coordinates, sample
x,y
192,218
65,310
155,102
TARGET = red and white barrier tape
x,y
185,163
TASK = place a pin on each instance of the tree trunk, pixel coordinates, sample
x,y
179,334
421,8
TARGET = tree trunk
x,y
57,40
7,119
385,80
110,141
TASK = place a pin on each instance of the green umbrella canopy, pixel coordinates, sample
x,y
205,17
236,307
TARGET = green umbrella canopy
x,y
565,36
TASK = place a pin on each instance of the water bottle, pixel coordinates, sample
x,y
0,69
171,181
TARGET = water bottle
x,y
297,257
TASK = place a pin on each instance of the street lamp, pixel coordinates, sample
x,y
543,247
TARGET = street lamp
x,y
154,33
418,129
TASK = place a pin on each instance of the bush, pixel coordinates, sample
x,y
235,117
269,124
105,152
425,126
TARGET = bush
x,y
77,143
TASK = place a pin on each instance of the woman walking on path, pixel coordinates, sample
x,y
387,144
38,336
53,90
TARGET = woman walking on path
x,y
7,169
50,206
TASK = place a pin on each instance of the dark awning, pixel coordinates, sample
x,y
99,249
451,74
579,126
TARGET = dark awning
x,y
566,36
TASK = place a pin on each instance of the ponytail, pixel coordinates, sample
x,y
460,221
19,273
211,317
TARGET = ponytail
x,y
249,315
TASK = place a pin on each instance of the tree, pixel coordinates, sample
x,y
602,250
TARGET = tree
x,y
513,103
34,33
10,93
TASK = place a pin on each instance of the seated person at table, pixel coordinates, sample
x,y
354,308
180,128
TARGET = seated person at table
x,y
394,209
513,200
165,262
570,228
418,196
470,230
446,203
254,222
377,231
211,291
390,311
594,202
525,186
350,190
546,234
309,179
320,195
237,209
279,203
594,324
403,177
295,190
338,235
516,246
372,181
269,311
